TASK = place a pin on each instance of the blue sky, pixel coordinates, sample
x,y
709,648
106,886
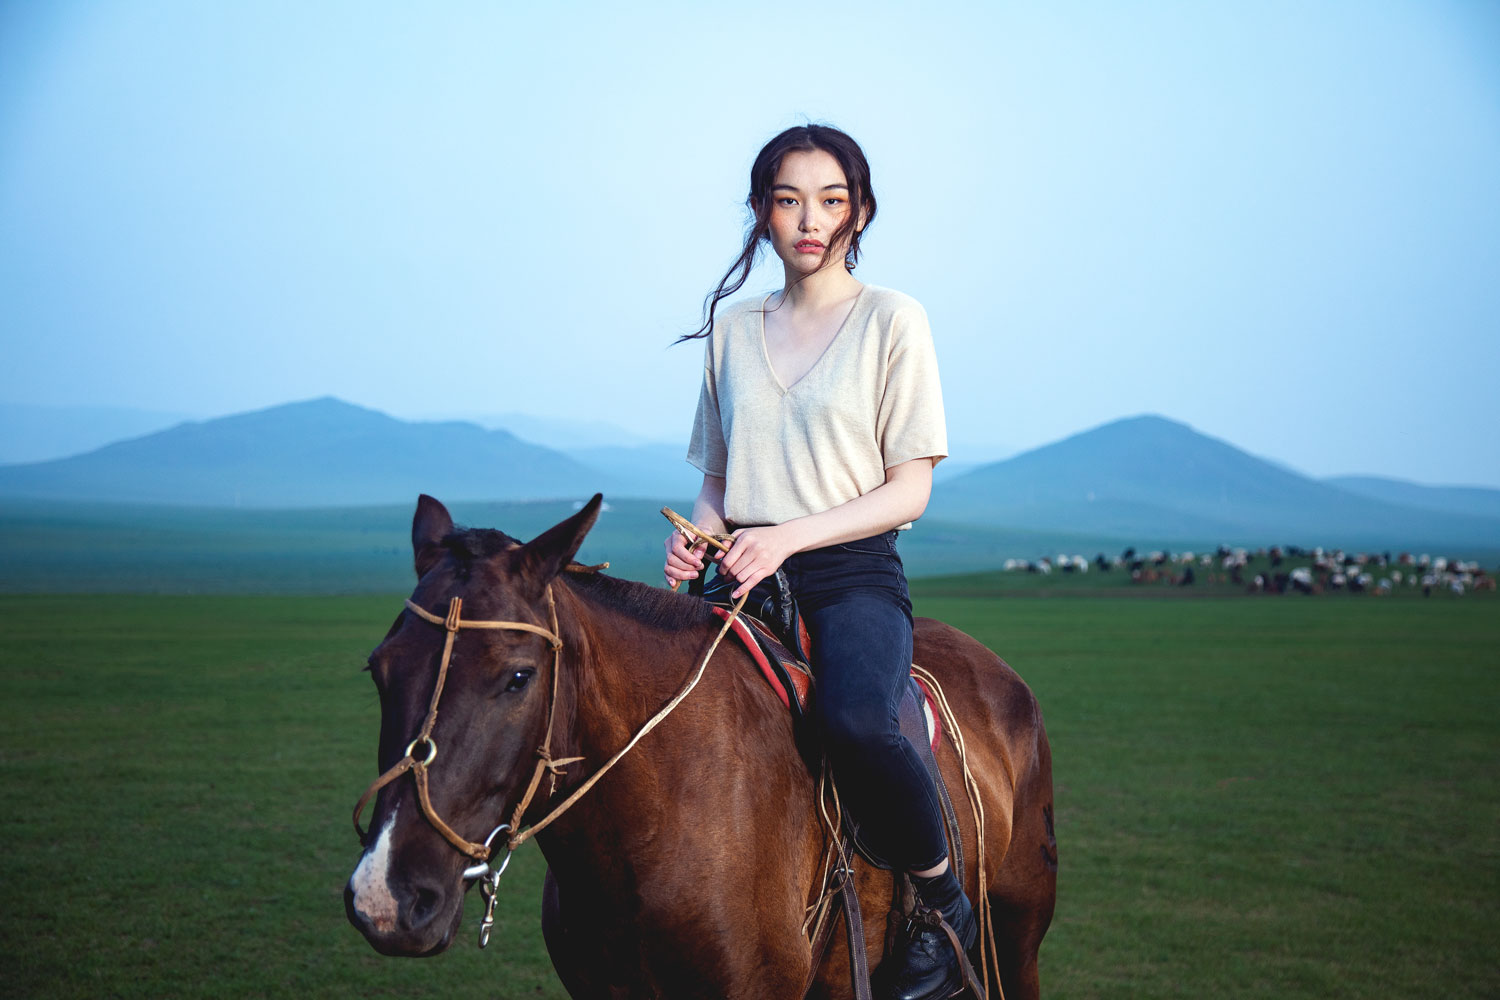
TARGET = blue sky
x,y
1278,222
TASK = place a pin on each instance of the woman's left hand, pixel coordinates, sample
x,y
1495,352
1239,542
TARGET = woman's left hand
x,y
755,554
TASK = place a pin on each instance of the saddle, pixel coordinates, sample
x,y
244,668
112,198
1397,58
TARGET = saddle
x,y
773,632
777,638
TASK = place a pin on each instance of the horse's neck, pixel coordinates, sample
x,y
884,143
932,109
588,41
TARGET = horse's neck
x,y
640,830
624,669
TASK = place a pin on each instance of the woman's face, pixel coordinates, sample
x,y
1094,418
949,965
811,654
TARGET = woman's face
x,y
809,201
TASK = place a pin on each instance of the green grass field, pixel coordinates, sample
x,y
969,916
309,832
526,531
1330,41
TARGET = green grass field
x,y
61,547
1273,797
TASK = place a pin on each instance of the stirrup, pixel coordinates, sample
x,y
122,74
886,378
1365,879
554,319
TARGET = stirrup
x,y
910,916
968,977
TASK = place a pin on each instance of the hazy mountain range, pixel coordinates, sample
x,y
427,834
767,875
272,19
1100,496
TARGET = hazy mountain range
x,y
1138,478
1152,477
319,453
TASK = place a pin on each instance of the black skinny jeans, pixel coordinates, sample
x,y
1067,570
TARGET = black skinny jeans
x,y
857,608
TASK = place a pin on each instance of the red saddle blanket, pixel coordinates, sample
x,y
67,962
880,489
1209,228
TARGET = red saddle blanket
x,y
758,640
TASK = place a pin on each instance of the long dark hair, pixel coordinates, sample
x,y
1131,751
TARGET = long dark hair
x,y
799,138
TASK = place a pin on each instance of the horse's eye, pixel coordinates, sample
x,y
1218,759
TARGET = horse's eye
x,y
518,680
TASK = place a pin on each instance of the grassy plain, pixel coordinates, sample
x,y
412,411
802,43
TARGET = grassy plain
x,y
1271,797
66,547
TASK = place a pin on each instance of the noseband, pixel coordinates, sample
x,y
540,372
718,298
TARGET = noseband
x,y
418,766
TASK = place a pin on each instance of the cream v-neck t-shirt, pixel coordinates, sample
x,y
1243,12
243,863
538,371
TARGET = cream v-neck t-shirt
x,y
872,400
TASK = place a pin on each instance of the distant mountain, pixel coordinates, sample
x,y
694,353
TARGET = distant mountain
x,y
1158,481
318,453
1146,481
1477,500
31,433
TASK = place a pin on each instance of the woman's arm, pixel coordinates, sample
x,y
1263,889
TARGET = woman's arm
x,y
684,563
759,552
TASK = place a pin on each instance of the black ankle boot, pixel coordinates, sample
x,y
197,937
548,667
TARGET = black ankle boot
x,y
923,965
944,894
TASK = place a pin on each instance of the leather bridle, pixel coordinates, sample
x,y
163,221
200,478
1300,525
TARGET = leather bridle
x,y
545,761
418,766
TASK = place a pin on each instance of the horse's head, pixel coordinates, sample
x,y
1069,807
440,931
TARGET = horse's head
x,y
474,746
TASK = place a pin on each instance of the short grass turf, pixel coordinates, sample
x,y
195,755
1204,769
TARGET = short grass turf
x,y
1255,798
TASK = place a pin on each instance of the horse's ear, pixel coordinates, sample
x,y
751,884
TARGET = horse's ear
x,y
544,556
429,526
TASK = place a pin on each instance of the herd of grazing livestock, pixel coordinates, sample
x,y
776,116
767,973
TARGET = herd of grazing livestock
x,y
1279,570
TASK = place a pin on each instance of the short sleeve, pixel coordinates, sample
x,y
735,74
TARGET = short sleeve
x,y
707,451
911,423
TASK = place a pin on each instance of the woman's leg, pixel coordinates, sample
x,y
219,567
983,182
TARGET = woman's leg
x,y
855,602
862,659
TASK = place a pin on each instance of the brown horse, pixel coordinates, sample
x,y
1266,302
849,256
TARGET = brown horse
x,y
687,870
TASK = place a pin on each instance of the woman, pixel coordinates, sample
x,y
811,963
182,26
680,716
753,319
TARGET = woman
x,y
818,426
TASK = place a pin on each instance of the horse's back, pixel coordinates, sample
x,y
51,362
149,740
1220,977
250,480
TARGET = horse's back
x,y
980,687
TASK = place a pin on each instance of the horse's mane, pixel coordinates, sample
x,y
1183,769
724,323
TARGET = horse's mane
x,y
650,605
468,544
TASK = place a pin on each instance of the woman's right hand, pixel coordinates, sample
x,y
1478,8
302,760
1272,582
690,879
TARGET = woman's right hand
x,y
683,562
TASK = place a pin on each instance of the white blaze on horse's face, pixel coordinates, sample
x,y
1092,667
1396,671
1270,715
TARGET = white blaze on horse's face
x,y
371,880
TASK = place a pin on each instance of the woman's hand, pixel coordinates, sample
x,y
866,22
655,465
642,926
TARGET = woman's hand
x,y
756,554
683,562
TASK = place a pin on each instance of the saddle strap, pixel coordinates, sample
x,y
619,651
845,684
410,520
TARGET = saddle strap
x,y
822,937
966,968
854,923
859,958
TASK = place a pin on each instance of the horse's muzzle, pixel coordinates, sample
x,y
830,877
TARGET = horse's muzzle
x,y
413,920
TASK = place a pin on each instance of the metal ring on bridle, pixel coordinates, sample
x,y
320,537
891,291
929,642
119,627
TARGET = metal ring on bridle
x,y
431,750
483,870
